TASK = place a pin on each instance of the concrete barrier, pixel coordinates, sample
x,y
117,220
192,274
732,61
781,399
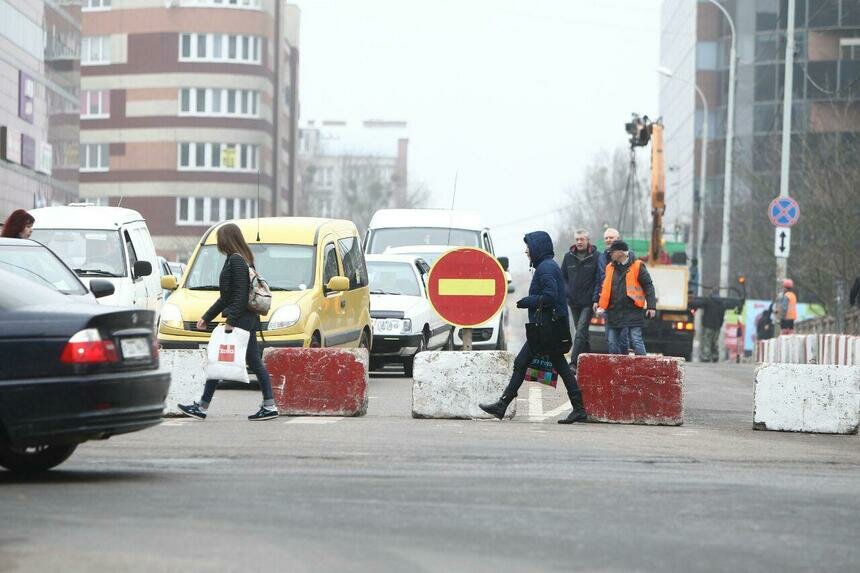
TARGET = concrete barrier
x,y
452,384
318,381
807,398
186,377
827,349
632,389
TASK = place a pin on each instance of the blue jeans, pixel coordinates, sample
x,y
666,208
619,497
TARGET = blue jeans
x,y
617,340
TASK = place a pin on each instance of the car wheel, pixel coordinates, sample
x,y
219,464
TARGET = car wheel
x,y
316,342
409,363
364,342
34,458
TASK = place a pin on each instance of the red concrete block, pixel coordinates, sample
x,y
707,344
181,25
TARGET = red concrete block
x,y
318,381
632,389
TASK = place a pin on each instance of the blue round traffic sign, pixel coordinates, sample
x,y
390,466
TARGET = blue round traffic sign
x,y
783,212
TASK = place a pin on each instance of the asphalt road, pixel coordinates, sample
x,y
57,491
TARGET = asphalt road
x,y
389,493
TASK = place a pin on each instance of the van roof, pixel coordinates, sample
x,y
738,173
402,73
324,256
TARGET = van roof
x,y
83,216
287,230
434,218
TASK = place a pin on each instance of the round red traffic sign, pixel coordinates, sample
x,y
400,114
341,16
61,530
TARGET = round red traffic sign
x,y
467,287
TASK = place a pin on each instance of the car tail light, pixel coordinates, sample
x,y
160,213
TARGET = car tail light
x,y
683,326
87,347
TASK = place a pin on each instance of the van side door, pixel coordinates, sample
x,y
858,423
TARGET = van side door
x,y
333,305
138,286
358,295
146,252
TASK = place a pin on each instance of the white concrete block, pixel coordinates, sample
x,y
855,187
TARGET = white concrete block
x,y
807,398
811,349
186,377
452,384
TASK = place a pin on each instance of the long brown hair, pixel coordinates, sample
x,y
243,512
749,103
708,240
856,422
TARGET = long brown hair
x,y
230,240
16,222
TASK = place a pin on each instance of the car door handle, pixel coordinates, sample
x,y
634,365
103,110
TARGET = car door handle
x,y
343,303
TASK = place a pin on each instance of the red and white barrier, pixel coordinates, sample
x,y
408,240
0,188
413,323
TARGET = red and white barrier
x,y
632,389
318,381
826,349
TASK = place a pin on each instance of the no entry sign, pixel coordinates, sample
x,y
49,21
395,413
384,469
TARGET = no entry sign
x,y
467,287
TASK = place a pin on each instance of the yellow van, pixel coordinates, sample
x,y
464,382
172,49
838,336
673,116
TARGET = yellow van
x,y
318,277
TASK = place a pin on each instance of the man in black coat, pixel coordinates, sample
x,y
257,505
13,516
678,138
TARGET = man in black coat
x,y
713,315
580,271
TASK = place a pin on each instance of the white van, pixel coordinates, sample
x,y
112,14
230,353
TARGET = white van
x,y
110,243
428,233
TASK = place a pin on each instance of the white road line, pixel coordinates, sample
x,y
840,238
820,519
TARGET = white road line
x,y
557,411
535,403
313,420
176,422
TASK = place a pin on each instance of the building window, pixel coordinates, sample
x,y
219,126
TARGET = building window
x,y
210,210
849,49
242,157
95,104
94,157
211,48
241,4
95,50
207,102
95,5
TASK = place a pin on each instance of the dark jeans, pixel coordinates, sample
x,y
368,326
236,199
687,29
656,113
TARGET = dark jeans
x,y
521,364
618,342
255,363
581,320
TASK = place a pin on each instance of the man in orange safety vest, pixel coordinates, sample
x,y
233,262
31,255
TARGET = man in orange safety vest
x,y
627,297
787,307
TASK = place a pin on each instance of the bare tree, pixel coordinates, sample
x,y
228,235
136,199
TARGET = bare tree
x,y
598,201
825,167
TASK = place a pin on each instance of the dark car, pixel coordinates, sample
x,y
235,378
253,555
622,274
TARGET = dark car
x,y
34,261
71,372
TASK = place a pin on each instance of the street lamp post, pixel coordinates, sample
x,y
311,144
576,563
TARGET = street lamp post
x,y
700,213
725,251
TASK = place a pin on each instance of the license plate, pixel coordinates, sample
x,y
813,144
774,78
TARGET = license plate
x,y
135,348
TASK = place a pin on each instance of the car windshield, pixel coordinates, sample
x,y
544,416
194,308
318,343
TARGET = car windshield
x,y
382,239
38,264
392,278
285,267
89,252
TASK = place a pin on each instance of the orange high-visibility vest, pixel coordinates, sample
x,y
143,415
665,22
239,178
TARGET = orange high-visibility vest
x,y
634,289
791,311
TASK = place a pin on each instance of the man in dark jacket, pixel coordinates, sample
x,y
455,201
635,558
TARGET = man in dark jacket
x,y
546,293
627,297
580,271
713,314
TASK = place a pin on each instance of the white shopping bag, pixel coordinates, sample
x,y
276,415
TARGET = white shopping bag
x,y
225,355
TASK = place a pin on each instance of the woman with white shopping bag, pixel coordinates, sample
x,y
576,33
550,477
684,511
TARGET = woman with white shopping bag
x,y
235,343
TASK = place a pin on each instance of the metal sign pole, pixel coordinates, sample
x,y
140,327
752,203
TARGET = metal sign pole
x,y
466,333
788,86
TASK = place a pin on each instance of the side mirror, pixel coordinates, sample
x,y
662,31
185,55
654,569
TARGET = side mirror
x,y
101,288
142,269
337,284
511,288
169,282
505,262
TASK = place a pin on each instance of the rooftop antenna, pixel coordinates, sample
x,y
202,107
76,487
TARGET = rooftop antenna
x,y
257,206
451,212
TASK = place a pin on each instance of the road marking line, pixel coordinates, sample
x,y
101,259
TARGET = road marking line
x,y
467,287
557,411
313,420
535,402
176,422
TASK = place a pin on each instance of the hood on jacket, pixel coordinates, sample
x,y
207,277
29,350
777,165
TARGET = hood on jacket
x,y
540,246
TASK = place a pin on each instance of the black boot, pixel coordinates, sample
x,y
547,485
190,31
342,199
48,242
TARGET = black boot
x,y
499,407
578,412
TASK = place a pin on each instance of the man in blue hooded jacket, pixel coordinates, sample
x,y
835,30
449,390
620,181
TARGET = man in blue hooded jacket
x,y
546,292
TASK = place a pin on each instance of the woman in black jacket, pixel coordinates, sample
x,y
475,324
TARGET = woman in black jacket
x,y
234,285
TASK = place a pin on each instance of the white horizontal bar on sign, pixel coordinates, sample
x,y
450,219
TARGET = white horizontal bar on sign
x,y
467,287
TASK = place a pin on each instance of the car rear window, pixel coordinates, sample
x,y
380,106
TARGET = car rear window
x,y
38,264
20,292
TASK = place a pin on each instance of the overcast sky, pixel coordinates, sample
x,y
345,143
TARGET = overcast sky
x,y
514,97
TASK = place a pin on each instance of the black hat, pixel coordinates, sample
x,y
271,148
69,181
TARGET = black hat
x,y
618,246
